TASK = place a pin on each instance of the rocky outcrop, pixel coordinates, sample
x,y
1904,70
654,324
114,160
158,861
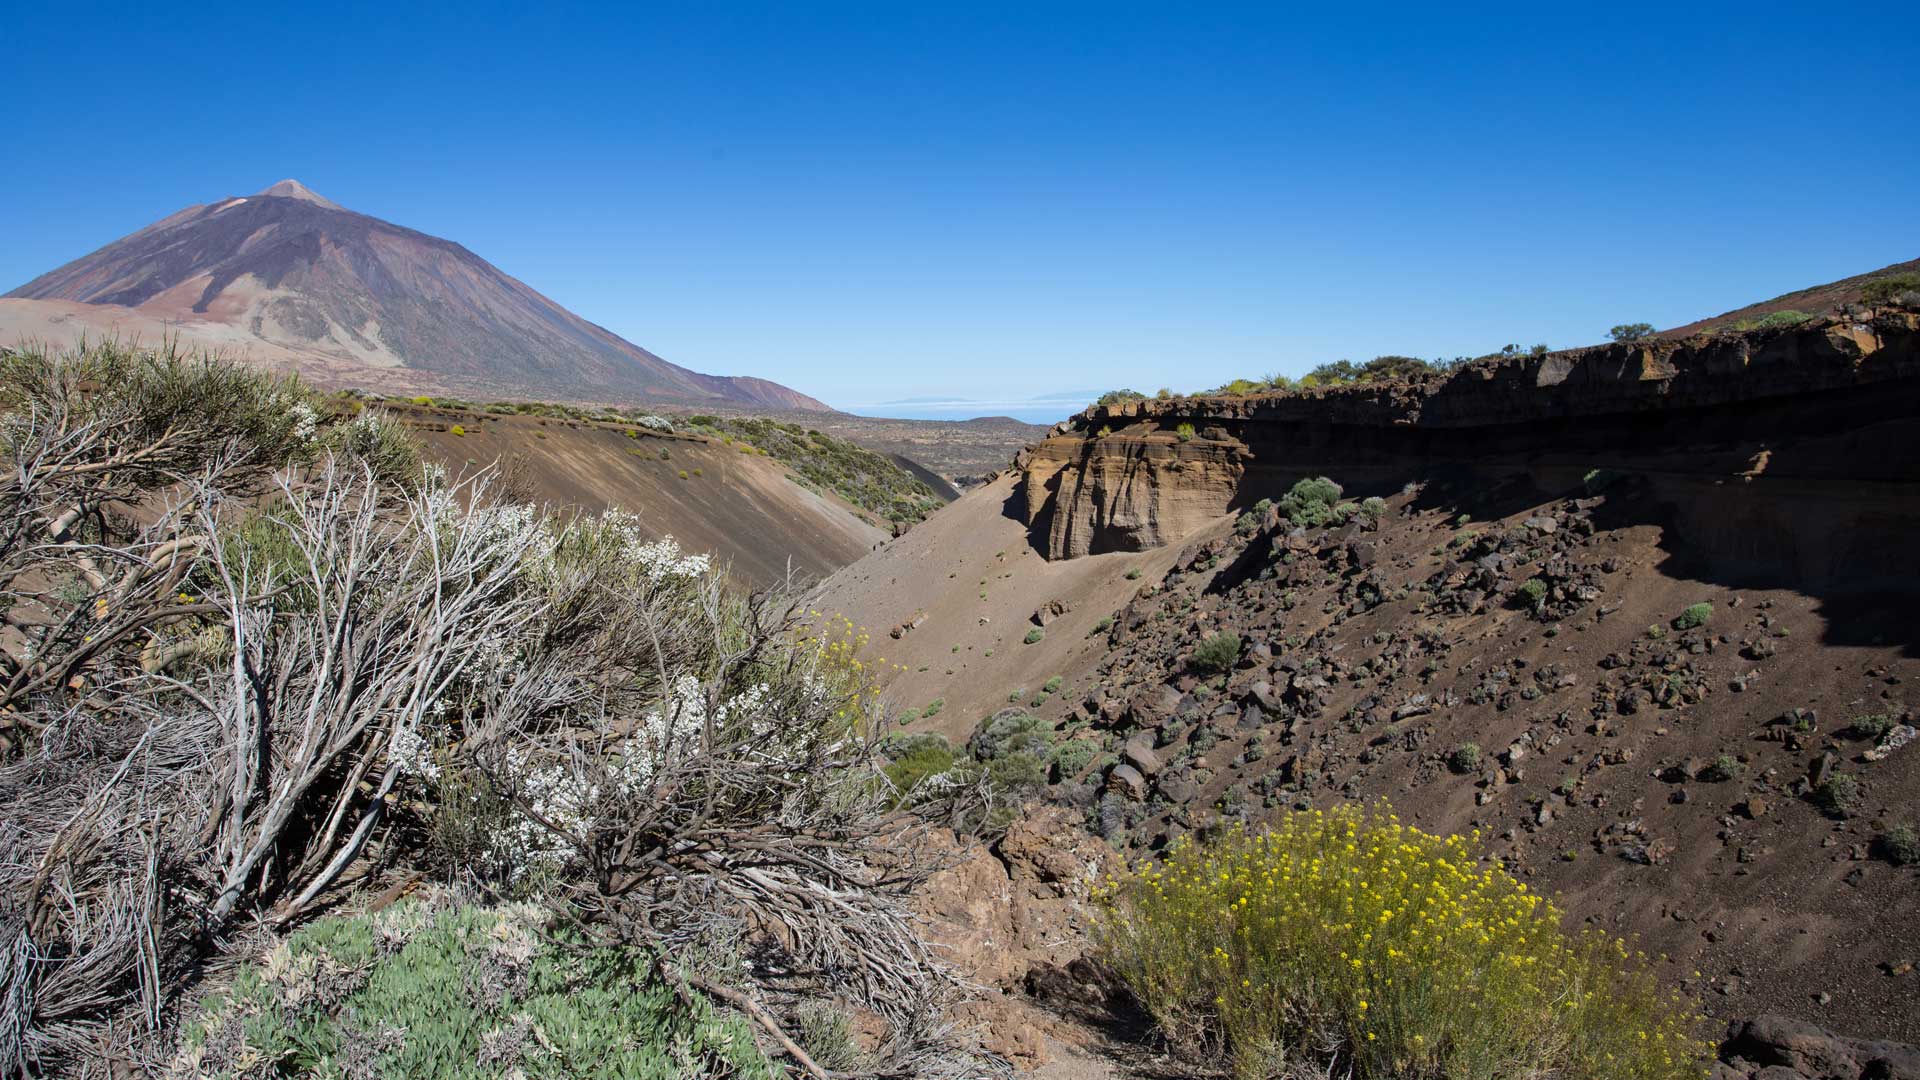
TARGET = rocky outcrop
x,y
1773,1047
1834,396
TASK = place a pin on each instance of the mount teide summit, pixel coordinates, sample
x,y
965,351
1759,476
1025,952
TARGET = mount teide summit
x,y
289,278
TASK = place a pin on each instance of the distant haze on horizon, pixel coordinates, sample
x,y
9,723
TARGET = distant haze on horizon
x,y
989,206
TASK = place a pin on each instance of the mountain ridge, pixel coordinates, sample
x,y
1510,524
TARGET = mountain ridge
x,y
347,297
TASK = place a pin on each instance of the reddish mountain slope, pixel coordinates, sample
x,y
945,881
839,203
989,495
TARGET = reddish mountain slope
x,y
1815,300
297,280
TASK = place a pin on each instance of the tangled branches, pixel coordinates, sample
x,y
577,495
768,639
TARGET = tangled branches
x,y
247,668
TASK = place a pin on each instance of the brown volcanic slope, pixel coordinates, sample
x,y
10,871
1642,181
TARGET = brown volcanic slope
x,y
292,279
741,508
1772,474
1818,300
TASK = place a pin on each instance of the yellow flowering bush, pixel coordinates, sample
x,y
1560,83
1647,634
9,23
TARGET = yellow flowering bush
x,y
1346,934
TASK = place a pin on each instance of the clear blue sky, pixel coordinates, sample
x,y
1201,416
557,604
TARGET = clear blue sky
x,y
896,200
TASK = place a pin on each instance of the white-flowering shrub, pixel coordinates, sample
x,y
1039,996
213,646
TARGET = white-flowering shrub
x,y
296,679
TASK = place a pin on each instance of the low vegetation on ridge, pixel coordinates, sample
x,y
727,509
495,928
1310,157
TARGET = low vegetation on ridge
x,y
822,462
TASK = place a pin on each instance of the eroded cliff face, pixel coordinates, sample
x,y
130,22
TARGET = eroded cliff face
x,y
1826,416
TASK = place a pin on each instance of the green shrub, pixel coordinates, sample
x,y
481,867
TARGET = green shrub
x,y
1133,574
1070,759
1034,636
1724,767
933,708
1629,332
1780,320
1184,432
1899,845
1695,615
915,758
426,990
683,474
1374,507
1873,726
1216,653
1887,289
1052,685
1310,501
1465,758
1115,397
1599,480
826,1034
1101,627
1010,731
1530,593
1385,952
1839,796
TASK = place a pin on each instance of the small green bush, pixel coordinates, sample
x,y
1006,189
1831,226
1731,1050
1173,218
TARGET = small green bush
x,y
1873,726
1780,320
457,430
1184,432
915,759
425,990
1133,574
1216,653
933,708
1630,332
1530,593
1101,627
1695,615
1723,768
1010,731
1310,501
1374,507
1599,480
1070,759
1034,636
683,474
826,1034
1839,796
1052,685
1899,845
1465,758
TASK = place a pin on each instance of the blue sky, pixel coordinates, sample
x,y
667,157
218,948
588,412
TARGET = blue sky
x,y
888,201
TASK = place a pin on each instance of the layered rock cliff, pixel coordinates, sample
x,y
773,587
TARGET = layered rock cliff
x,y
1835,401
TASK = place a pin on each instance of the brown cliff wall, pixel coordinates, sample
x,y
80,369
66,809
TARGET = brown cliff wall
x,y
1826,416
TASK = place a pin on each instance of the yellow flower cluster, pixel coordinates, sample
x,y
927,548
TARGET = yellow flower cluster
x,y
838,644
1407,948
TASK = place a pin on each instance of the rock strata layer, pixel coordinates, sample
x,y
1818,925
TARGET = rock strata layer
x,y
1831,398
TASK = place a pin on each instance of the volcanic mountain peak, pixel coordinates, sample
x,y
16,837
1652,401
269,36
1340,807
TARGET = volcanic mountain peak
x,y
294,189
291,278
